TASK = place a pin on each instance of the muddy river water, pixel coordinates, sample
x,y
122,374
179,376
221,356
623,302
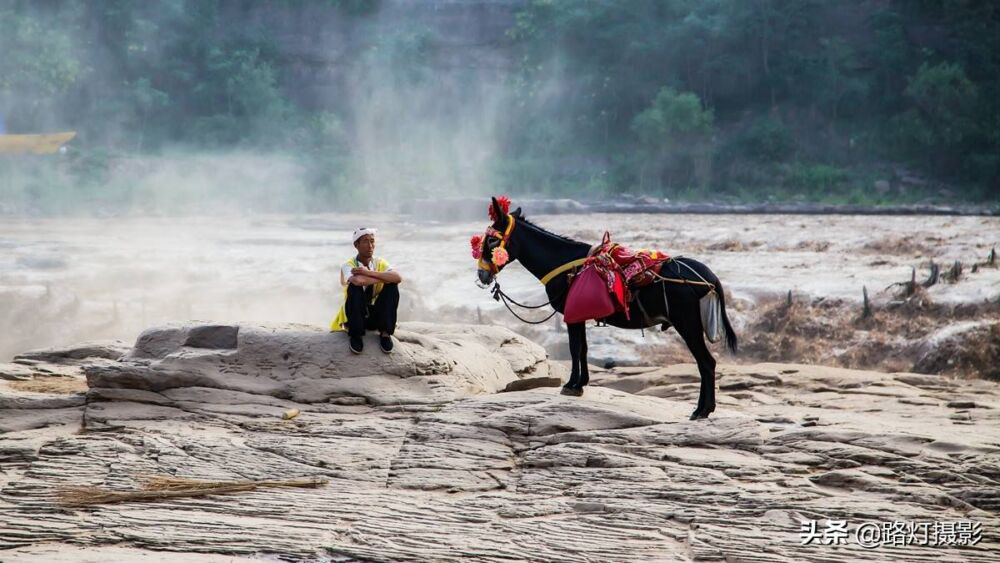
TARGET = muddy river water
x,y
64,281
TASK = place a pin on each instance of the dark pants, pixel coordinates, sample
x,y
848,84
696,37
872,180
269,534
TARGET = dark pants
x,y
363,314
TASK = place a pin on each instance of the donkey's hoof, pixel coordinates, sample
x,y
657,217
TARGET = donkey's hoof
x,y
571,390
698,414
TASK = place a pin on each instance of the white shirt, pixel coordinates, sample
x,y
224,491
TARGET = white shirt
x,y
345,270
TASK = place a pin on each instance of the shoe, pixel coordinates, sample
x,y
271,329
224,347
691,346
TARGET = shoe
x,y
357,345
385,342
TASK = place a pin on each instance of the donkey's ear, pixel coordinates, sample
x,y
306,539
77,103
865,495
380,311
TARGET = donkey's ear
x,y
497,210
517,213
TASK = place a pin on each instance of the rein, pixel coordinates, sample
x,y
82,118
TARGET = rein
x,y
499,295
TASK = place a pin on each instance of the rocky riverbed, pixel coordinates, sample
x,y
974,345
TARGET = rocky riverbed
x,y
459,445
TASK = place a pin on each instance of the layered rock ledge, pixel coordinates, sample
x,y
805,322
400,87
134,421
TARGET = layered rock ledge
x,y
459,445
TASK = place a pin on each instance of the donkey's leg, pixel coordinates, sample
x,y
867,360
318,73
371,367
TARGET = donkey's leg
x,y
692,334
573,386
584,369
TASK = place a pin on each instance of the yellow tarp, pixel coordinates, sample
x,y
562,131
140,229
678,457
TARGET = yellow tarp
x,y
34,144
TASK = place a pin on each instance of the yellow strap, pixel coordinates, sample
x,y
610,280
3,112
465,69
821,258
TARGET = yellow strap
x,y
567,266
503,243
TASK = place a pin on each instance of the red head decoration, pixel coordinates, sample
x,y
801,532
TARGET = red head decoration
x,y
477,246
504,202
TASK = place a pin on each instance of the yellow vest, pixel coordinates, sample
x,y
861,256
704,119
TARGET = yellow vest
x,y
340,320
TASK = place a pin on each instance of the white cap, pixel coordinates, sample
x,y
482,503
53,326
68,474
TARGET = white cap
x,y
362,231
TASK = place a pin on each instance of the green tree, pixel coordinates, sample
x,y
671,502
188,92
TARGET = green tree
x,y
38,64
675,137
943,115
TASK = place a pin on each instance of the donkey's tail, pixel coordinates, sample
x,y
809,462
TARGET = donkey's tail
x,y
730,333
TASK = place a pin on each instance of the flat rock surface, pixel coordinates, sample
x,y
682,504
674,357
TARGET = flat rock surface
x,y
429,459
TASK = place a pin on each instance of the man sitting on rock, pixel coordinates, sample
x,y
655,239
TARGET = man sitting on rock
x,y
371,294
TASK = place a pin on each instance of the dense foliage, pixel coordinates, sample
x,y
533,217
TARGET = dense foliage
x,y
773,97
698,99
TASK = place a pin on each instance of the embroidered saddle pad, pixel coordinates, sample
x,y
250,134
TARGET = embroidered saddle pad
x,y
622,270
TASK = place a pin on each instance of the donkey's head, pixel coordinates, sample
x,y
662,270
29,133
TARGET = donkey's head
x,y
496,248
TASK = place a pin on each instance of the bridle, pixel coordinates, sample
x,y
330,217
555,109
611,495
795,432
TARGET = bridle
x,y
493,269
504,239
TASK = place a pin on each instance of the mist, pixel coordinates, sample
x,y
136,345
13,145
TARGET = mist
x,y
305,107
224,150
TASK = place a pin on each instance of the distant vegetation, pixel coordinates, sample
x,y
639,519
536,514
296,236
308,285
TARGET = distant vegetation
x,y
762,97
745,100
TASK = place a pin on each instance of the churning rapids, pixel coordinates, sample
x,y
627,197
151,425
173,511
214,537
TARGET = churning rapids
x,y
796,281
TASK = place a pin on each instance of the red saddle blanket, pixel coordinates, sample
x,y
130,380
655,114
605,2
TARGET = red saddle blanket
x,y
621,269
